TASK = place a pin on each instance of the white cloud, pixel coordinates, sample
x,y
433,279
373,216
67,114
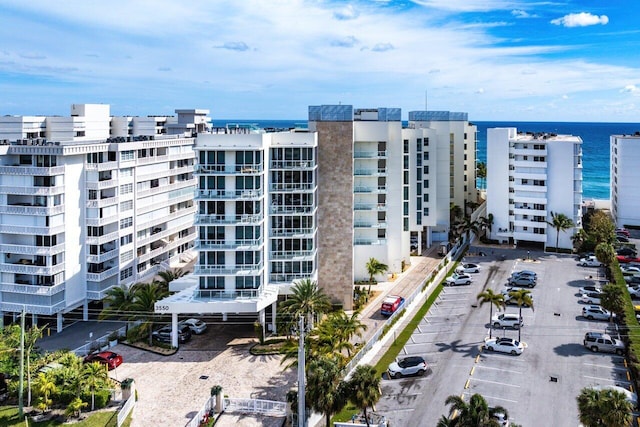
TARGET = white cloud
x,y
633,89
520,14
467,5
565,96
346,13
480,91
582,19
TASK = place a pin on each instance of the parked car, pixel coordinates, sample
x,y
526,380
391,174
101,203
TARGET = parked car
x,y
501,419
391,304
507,320
632,280
622,230
595,312
631,396
164,334
590,298
522,282
591,261
626,251
458,279
504,345
624,259
622,239
597,341
630,269
197,326
590,288
468,268
412,365
508,298
525,273
108,358
634,291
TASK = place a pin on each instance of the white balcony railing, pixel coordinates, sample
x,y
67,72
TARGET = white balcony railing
x,y
40,270
249,269
41,290
31,250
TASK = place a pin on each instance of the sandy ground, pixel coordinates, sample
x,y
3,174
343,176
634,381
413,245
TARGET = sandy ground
x,y
172,389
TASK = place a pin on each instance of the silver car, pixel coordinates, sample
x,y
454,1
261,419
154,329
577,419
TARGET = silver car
x,y
595,312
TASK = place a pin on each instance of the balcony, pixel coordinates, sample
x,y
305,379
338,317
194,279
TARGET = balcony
x,y
175,214
31,170
293,164
104,256
369,224
293,255
367,242
101,203
292,232
25,266
291,187
100,240
32,191
529,164
46,310
369,154
166,188
287,278
276,209
166,247
28,209
253,244
33,230
42,290
370,172
99,277
152,159
96,222
370,206
370,189
229,194
530,187
101,185
31,250
228,169
203,219
222,294
101,166
243,269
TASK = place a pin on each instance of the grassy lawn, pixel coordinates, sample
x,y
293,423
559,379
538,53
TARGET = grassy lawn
x,y
394,349
9,418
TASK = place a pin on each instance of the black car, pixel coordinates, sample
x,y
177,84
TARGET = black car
x,y
164,334
626,251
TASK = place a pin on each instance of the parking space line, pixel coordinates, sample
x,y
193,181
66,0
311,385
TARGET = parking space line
x,y
499,369
606,366
494,382
497,398
606,379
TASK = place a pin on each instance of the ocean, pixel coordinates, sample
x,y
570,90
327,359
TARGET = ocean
x,y
595,144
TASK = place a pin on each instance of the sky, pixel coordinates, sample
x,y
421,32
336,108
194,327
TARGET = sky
x,y
498,60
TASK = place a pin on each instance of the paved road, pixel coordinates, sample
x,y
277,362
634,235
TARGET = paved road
x,y
538,387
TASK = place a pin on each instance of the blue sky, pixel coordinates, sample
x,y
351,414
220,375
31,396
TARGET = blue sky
x,y
512,60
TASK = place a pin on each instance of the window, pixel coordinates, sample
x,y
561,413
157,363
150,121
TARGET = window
x,y
126,189
126,222
127,256
125,240
126,273
126,172
93,194
127,205
425,211
126,155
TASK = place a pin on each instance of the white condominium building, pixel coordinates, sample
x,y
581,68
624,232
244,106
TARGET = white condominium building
x,y
625,179
90,202
529,176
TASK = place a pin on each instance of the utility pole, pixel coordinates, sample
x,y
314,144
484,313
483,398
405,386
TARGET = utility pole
x,y
21,382
302,413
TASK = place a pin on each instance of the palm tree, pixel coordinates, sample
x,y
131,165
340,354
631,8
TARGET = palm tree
x,y
118,303
345,327
30,338
94,377
169,276
560,222
465,227
604,408
481,173
364,388
307,300
326,392
493,299
44,388
375,267
476,413
605,253
521,297
75,407
145,297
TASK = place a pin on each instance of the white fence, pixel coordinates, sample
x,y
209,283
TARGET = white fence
x,y
206,409
128,406
269,408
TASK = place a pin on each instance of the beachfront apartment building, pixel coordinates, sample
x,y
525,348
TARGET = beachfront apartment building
x,y
529,176
625,179
278,207
89,202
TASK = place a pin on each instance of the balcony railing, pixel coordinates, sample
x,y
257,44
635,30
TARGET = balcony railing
x,y
229,194
24,267
100,203
105,256
292,164
32,191
287,232
101,166
99,240
222,294
228,219
369,241
33,308
33,230
275,209
251,269
42,290
176,214
228,169
370,206
101,185
96,222
287,278
232,244
293,187
31,170
370,172
291,255
371,154
30,250
31,210
99,277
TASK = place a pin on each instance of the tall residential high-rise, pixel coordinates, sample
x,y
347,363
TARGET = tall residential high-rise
x,y
624,179
529,177
89,202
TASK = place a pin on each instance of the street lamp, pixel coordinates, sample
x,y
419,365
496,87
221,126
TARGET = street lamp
x,y
21,382
302,415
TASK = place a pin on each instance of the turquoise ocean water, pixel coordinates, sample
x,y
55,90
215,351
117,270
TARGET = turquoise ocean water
x,y
595,147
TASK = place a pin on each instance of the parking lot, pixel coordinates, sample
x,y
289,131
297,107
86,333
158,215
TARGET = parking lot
x,y
538,387
172,389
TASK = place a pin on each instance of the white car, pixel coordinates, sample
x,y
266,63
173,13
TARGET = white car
x,y
630,269
412,365
458,279
508,297
590,289
590,298
595,312
504,345
468,268
634,291
591,261
507,320
197,326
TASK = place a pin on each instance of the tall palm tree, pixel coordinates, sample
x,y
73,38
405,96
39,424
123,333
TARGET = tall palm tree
x,y
117,303
307,300
145,297
604,408
522,297
481,173
476,413
560,222
169,276
94,377
375,267
326,392
465,227
364,388
494,300
347,326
